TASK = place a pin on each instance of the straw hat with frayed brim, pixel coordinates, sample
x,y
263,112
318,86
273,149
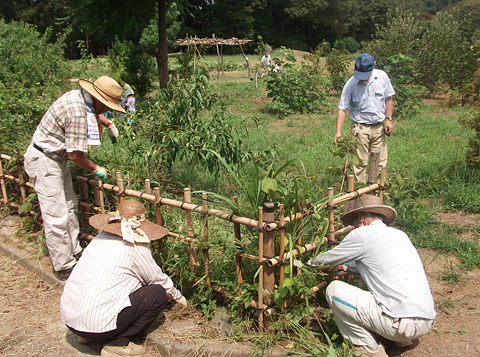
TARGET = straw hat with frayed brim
x,y
369,204
127,209
106,90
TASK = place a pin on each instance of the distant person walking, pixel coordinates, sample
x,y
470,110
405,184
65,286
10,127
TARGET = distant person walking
x,y
69,126
368,96
267,60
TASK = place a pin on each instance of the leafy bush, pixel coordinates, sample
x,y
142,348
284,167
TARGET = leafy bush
x,y
339,45
407,98
188,123
293,89
351,45
337,65
398,36
32,75
446,57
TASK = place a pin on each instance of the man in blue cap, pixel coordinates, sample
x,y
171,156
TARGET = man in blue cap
x,y
368,96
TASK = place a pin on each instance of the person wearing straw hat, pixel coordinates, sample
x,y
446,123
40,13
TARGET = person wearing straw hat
x,y
116,289
398,304
368,95
70,125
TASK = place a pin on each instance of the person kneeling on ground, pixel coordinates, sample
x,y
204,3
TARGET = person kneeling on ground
x,y
398,304
116,289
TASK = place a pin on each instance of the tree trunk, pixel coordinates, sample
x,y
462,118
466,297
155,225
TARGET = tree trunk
x,y
162,58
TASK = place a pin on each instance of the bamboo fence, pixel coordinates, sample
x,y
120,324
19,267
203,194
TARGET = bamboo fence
x,y
266,226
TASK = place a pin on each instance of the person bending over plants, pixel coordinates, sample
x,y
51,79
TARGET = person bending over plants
x,y
398,304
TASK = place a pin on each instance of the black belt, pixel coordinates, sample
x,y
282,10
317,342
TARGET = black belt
x,y
374,124
37,147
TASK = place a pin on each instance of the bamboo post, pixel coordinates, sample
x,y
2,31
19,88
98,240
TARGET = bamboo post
x,y
83,190
21,183
260,262
158,214
269,251
238,247
331,217
373,168
148,205
2,184
351,183
188,199
282,242
218,56
382,182
121,192
206,257
98,196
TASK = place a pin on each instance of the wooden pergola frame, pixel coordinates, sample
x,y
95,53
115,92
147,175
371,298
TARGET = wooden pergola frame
x,y
218,43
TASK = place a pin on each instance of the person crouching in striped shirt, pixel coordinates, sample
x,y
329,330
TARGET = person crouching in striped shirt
x,y
116,289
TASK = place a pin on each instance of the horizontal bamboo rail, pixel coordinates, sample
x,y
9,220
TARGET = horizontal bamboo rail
x,y
307,247
173,203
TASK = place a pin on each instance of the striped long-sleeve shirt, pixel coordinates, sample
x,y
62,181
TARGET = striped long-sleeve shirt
x,y
108,272
389,264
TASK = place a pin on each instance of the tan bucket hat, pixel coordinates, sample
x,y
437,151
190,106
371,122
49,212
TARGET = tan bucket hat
x,y
369,204
106,90
134,213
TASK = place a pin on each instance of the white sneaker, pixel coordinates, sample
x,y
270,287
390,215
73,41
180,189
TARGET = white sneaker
x,y
115,351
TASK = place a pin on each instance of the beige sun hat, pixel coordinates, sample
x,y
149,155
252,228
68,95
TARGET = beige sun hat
x,y
106,90
369,204
132,212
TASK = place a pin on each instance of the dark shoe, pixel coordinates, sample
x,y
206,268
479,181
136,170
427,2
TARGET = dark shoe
x,y
78,255
64,274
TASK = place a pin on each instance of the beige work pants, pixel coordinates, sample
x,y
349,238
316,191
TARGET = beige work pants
x,y
370,138
359,316
53,184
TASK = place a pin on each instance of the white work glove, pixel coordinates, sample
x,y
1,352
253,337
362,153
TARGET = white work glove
x,y
112,131
182,301
100,172
408,327
311,263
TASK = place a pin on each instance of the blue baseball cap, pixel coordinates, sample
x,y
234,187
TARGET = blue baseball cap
x,y
363,67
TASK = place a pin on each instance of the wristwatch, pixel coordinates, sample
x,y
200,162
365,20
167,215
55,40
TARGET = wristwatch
x,y
389,118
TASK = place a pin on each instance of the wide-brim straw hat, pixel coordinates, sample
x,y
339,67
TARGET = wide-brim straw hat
x,y
106,90
127,209
369,204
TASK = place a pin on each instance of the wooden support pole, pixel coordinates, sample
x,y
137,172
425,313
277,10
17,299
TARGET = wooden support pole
x,y
351,183
331,217
282,241
121,189
382,182
2,184
269,251
98,196
21,183
190,233
206,256
83,190
260,262
158,213
238,248
148,205
373,168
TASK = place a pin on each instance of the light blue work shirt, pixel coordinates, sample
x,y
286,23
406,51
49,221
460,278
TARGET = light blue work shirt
x,y
366,100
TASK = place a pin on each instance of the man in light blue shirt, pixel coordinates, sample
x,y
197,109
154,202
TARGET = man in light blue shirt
x,y
368,96
398,304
